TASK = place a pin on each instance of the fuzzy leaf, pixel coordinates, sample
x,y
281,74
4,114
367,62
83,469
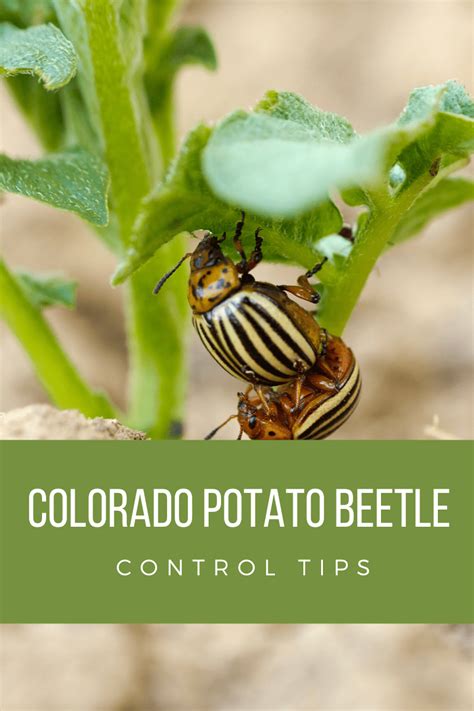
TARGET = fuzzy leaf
x,y
73,180
44,290
42,50
445,115
184,202
445,195
450,97
285,157
281,166
322,125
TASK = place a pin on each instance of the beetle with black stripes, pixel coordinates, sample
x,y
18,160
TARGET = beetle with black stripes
x,y
252,329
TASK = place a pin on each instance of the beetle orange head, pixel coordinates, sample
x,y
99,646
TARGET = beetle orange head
x,y
213,276
257,423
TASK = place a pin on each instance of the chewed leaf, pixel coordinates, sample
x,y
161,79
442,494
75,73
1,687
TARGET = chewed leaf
x,y
445,195
73,180
44,290
42,50
280,167
184,202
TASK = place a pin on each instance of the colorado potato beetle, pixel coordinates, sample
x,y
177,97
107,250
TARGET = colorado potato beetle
x,y
314,409
252,329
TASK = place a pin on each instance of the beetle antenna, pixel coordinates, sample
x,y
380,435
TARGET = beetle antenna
x,y
170,273
216,429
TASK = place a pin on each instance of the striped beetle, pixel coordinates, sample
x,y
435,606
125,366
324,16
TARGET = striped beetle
x,y
252,329
327,397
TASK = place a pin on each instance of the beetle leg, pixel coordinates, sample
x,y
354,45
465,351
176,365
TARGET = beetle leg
x,y
304,290
327,373
301,369
261,394
256,255
306,293
238,243
325,383
216,429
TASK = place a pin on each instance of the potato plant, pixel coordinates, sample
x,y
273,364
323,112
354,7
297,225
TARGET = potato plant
x,y
95,81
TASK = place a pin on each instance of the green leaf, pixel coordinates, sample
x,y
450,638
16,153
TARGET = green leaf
x,y
42,50
445,195
322,125
187,45
184,202
52,365
450,97
73,180
44,290
284,161
42,109
442,118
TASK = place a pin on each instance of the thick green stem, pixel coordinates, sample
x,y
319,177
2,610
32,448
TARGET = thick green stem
x,y
158,363
339,299
116,102
58,375
118,106
157,345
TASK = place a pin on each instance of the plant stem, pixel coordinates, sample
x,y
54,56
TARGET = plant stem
x,y
58,375
157,328
117,103
339,299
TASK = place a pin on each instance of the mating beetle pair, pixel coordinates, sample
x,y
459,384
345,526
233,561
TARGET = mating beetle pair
x,y
326,398
258,334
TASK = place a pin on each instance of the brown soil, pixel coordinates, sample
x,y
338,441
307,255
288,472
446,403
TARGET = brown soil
x,y
46,422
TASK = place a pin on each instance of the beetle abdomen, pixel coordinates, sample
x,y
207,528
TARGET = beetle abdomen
x,y
254,338
319,422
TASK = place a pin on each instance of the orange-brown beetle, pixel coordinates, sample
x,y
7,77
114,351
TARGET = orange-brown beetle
x,y
252,329
311,410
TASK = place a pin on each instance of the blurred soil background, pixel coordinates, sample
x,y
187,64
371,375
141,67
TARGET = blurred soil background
x,y
412,333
